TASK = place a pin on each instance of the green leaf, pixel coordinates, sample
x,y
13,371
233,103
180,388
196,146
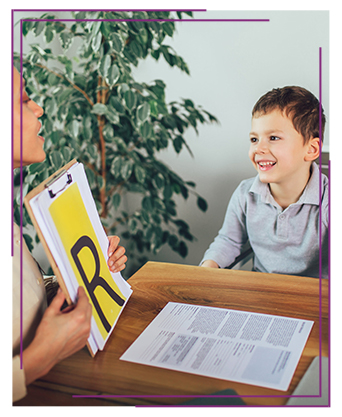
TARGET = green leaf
x,y
143,35
117,43
113,75
48,34
146,130
64,95
178,143
73,128
143,111
147,204
132,225
154,108
66,39
116,104
167,192
159,181
96,42
136,49
140,173
108,132
65,61
122,89
55,136
130,99
36,168
27,26
116,165
90,176
145,217
99,109
182,249
39,27
149,233
202,204
92,150
116,200
39,50
127,169
112,115
170,59
168,28
28,241
52,79
105,65
50,106
56,159
59,26
173,241
96,25
66,152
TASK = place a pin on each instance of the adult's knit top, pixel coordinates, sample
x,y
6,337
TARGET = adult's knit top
x,y
293,241
32,293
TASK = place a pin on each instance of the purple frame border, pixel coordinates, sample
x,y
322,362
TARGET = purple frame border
x,y
320,208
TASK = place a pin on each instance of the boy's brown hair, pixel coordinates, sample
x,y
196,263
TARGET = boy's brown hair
x,y
299,105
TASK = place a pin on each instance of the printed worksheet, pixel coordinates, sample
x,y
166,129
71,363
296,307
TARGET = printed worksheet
x,y
251,348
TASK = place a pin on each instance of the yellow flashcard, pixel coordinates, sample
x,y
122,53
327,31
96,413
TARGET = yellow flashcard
x,y
84,253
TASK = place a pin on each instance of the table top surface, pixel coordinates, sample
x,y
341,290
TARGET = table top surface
x,y
116,382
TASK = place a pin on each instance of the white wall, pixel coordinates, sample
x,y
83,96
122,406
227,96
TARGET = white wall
x,y
232,64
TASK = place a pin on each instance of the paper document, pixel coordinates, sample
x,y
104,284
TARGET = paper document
x,y
251,348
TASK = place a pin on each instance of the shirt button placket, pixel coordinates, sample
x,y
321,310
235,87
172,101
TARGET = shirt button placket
x,y
282,226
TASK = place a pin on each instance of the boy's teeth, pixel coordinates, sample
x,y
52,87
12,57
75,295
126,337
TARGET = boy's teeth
x,y
266,163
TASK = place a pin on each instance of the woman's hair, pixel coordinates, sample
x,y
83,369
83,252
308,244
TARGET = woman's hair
x,y
299,105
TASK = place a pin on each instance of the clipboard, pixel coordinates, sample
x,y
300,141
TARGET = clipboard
x,y
29,196
66,220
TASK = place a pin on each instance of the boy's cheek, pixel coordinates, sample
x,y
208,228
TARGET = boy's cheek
x,y
251,157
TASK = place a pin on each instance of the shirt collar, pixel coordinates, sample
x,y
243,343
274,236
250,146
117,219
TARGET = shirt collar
x,y
309,195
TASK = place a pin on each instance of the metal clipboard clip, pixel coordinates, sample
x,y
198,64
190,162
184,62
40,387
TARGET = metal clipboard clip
x,y
54,179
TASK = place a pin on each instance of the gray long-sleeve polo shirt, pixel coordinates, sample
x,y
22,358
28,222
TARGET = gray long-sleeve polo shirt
x,y
283,241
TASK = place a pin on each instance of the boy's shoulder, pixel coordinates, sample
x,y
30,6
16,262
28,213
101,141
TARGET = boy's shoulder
x,y
246,189
251,185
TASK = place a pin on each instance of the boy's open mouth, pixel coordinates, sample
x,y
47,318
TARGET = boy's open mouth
x,y
265,165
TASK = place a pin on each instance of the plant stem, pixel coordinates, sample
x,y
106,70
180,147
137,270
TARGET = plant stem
x,y
102,146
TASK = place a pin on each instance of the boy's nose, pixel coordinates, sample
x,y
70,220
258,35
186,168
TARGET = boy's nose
x,y
262,147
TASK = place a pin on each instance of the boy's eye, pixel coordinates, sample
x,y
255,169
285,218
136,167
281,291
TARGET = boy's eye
x,y
274,138
253,140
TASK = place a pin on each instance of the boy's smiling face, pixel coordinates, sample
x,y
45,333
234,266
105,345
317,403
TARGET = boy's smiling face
x,y
277,150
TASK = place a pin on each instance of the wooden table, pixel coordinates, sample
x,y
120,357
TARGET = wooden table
x,y
154,285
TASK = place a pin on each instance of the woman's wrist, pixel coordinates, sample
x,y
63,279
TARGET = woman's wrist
x,y
36,363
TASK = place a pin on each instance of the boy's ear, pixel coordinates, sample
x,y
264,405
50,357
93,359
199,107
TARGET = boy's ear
x,y
313,148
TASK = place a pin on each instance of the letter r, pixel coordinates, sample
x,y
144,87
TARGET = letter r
x,y
96,280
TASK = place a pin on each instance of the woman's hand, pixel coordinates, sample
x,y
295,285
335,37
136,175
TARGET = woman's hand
x,y
116,255
59,335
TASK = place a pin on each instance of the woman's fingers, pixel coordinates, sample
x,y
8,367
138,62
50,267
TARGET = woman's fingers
x,y
117,258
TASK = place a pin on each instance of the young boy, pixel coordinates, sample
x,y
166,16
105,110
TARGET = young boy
x,y
278,211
